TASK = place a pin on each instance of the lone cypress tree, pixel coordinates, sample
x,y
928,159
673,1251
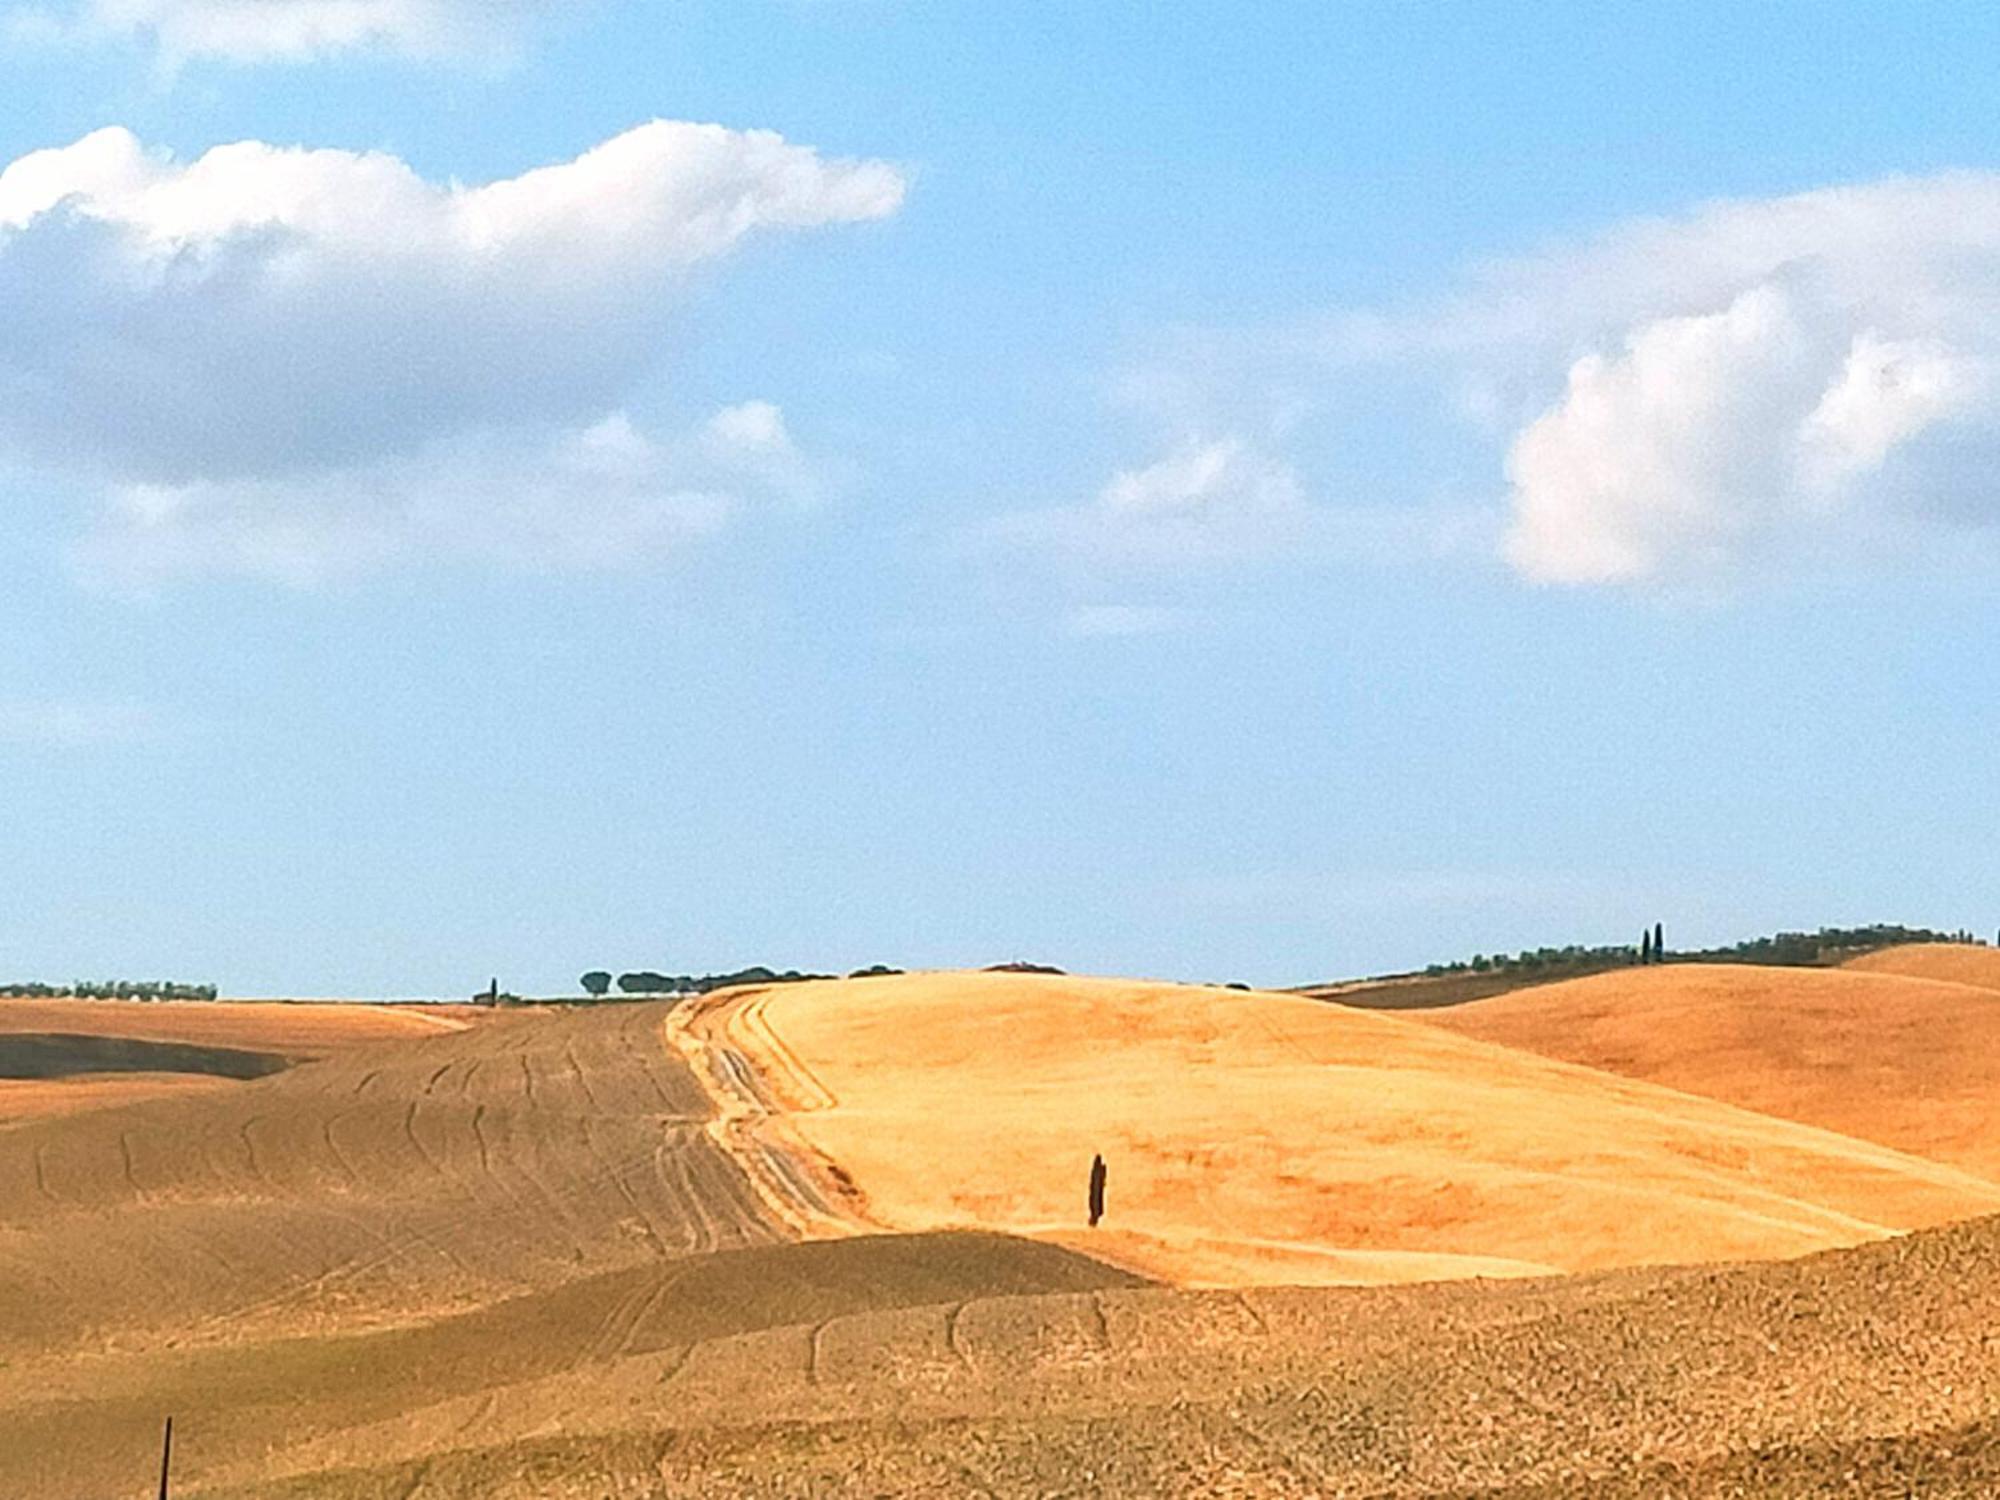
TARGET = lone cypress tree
x,y
1646,946
1659,944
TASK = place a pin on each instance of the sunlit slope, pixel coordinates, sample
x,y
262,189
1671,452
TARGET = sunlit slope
x,y
1911,1063
1958,963
1264,1138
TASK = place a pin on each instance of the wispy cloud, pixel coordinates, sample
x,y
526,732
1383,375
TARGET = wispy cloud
x,y
75,723
1211,506
290,31
609,497
1120,621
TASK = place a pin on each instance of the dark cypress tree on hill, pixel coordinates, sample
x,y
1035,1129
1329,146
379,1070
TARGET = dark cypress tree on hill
x,y
1659,943
1646,947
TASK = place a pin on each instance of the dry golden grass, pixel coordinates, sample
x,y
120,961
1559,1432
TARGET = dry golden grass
x,y
1912,1063
1260,1139
1957,963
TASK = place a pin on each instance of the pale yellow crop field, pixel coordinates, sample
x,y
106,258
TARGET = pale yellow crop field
x,y
1258,1138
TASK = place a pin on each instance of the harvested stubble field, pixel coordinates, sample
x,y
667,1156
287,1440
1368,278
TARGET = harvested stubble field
x,y
825,1240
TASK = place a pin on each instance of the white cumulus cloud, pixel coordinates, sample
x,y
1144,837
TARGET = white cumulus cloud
x,y
249,31
1752,387
295,338
1746,387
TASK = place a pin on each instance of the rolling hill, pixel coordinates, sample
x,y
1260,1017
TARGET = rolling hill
x,y
1958,963
1912,1063
826,1239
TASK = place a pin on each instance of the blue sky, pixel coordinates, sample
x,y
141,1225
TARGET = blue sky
x,y
1219,492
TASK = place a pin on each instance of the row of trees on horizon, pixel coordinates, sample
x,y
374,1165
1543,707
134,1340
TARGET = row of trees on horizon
x,y
110,989
1829,945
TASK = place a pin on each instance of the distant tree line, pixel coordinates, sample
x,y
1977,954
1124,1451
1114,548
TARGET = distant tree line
x,y
1572,958
110,989
1829,945
640,984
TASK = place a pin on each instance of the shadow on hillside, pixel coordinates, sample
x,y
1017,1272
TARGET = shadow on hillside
x,y
58,1055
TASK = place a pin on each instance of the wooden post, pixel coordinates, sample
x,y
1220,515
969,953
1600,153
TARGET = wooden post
x,y
166,1458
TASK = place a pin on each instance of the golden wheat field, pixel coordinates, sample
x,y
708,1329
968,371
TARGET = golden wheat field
x,y
830,1239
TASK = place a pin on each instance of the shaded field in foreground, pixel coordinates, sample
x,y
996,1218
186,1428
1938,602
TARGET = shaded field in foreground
x,y
276,1405
1854,1371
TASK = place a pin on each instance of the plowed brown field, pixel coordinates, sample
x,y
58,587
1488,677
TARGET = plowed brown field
x,y
1869,1371
384,1183
301,1029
